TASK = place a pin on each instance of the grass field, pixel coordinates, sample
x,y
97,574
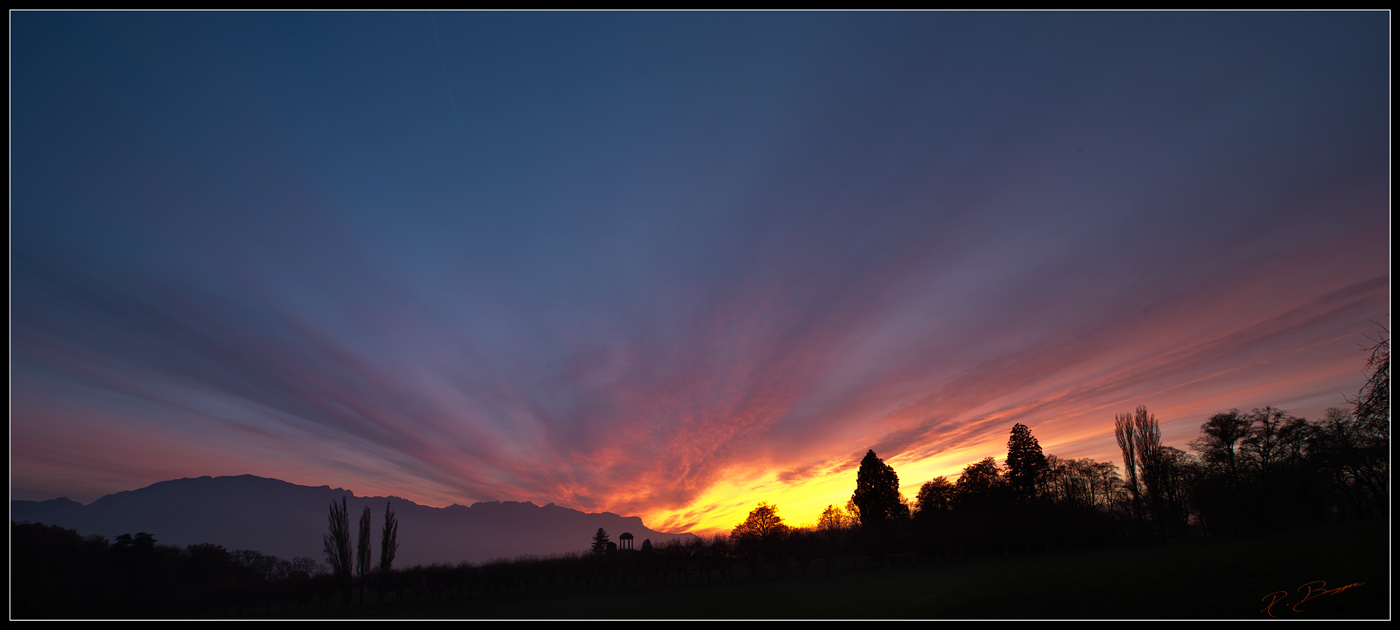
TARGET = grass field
x,y
1251,578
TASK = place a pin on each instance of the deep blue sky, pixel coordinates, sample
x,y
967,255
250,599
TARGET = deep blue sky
x,y
672,264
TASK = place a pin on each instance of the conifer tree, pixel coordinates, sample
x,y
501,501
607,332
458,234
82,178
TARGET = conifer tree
x,y
600,542
877,492
1025,462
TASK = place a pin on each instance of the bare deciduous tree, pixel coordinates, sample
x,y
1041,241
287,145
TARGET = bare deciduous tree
x,y
1126,432
1151,465
1373,401
337,547
1219,444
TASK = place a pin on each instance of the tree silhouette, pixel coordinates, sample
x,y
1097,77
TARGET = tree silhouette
x,y
761,535
934,496
932,516
877,492
337,548
1025,462
834,528
763,522
1219,444
1273,451
834,518
363,565
1359,442
1263,444
388,542
1356,455
600,542
1151,466
853,511
1156,469
1373,401
981,485
1126,432
883,512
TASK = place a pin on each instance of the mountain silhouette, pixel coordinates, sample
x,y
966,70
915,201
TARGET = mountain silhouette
x,y
287,520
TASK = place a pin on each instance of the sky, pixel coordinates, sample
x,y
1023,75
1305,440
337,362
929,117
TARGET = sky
x,y
674,264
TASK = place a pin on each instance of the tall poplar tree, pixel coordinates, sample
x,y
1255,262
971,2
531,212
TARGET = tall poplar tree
x,y
388,547
337,548
388,541
1125,431
363,549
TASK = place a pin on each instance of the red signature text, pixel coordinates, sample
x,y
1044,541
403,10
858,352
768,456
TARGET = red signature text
x,y
1311,590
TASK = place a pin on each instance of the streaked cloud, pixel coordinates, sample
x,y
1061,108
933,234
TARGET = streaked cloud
x,y
675,264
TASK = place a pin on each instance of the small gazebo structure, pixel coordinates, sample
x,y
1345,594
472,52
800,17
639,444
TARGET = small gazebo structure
x,y
624,541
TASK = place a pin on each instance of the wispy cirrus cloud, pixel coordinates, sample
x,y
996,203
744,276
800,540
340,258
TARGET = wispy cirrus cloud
x,y
618,274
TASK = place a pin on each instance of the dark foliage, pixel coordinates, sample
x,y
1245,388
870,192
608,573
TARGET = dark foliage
x,y
1025,463
59,574
363,551
934,497
388,541
877,492
762,536
981,485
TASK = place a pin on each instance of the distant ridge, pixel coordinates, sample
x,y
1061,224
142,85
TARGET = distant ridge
x,y
287,520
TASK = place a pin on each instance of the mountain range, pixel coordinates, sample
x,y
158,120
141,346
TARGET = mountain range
x,y
288,520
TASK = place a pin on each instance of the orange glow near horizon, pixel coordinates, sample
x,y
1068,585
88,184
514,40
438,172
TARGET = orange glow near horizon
x,y
713,279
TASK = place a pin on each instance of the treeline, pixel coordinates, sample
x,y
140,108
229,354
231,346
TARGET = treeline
x,y
1248,472
1039,502
58,573
1263,469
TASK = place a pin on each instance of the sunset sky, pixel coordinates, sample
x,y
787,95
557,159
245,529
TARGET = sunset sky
x,y
674,264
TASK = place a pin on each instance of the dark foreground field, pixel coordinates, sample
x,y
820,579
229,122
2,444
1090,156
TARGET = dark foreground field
x,y
1335,572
